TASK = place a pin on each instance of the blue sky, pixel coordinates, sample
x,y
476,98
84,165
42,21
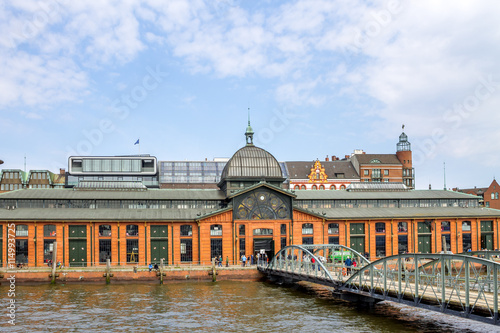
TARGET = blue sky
x,y
320,78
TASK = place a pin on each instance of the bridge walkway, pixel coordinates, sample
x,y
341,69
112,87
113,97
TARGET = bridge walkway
x,y
464,285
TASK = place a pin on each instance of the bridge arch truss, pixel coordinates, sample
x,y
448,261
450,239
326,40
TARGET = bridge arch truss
x,y
322,263
464,285
457,284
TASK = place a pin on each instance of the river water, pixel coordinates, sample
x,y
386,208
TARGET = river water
x,y
225,306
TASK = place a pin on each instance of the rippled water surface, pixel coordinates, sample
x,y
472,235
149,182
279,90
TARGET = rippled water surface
x,y
210,307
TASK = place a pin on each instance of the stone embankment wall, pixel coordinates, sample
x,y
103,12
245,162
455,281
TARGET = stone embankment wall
x,y
130,275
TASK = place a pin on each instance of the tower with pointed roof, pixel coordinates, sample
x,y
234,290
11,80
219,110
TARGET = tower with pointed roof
x,y
403,153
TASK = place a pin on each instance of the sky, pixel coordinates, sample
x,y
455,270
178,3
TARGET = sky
x,y
320,78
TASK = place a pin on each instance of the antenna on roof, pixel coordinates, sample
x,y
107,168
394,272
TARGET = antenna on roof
x,y
24,163
444,170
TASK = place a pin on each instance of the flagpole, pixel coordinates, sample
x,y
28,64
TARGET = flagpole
x,y
139,146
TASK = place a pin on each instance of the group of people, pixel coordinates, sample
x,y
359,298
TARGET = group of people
x,y
348,264
251,260
218,261
49,263
155,267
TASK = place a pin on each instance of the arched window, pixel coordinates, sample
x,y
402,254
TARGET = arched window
x,y
333,187
492,195
21,230
132,230
105,230
307,229
380,227
314,187
322,187
333,228
49,230
402,227
496,195
186,230
242,230
303,187
297,187
342,187
215,230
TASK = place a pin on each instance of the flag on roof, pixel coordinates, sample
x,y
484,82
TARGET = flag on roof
x,y
137,142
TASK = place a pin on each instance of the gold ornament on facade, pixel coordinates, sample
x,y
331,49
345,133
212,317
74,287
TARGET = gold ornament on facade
x,y
318,174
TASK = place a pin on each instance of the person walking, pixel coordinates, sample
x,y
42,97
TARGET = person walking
x,y
243,260
348,263
227,261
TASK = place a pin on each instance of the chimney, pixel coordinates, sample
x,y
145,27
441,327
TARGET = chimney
x,y
326,158
347,156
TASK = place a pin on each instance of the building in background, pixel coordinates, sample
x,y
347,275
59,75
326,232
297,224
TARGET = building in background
x,y
112,172
338,174
144,171
326,175
12,179
16,179
490,196
477,191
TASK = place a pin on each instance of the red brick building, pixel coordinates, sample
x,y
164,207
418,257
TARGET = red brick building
x,y
251,211
338,174
491,199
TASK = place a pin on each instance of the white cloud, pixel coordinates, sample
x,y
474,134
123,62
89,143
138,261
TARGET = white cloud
x,y
428,58
33,80
408,63
31,115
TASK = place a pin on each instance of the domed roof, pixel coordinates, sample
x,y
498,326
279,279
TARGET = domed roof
x,y
252,162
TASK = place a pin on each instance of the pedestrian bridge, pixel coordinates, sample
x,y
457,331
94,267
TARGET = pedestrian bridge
x,y
464,285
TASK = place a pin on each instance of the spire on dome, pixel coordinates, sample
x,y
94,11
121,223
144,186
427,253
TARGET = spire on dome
x,y
249,132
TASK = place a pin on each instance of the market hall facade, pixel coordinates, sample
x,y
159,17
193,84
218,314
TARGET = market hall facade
x,y
250,211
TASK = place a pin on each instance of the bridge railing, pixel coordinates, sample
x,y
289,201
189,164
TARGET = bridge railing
x,y
462,285
325,261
